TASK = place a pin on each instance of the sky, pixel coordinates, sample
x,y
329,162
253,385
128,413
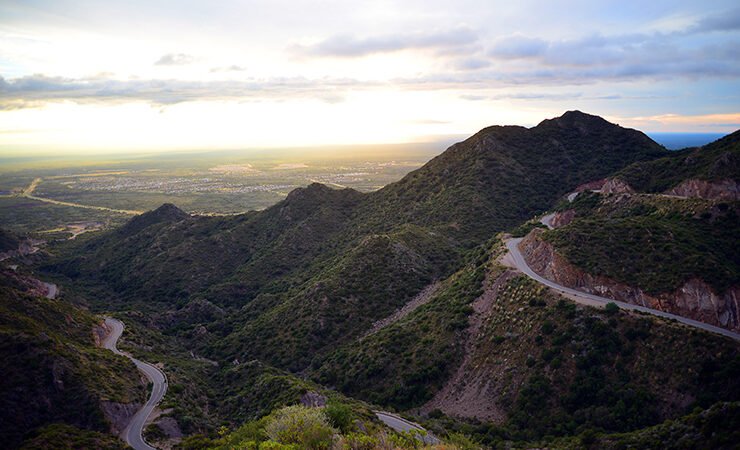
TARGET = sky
x,y
141,75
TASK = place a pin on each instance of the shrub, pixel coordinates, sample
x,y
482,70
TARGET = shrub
x,y
611,308
340,416
305,427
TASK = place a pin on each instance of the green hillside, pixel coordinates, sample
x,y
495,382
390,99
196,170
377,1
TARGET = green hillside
x,y
52,371
719,160
249,312
655,243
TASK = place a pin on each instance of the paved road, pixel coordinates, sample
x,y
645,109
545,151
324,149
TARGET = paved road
x,y
28,193
547,220
133,432
515,257
400,424
51,290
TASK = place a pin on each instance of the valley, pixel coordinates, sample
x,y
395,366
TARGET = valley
x,y
476,300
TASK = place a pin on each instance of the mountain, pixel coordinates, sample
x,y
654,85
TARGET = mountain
x,y
502,176
362,256
52,371
396,297
8,241
522,362
715,164
667,239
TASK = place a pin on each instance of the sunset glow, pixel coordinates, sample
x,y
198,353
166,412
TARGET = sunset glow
x,y
81,76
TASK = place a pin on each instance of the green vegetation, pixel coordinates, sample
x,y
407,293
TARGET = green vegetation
x,y
66,437
23,215
655,243
404,364
603,370
719,160
52,371
248,313
8,240
301,428
315,270
715,428
502,176
558,369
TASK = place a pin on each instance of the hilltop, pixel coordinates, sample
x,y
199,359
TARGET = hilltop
x,y
289,299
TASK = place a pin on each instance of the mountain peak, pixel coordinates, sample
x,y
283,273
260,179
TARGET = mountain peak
x,y
576,119
165,213
169,210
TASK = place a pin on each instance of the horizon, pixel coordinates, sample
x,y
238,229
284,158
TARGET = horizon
x,y
389,151
85,78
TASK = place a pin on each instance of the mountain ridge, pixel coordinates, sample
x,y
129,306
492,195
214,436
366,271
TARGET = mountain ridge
x,y
296,285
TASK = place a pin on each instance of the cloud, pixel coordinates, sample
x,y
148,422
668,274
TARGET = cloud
x,y
346,46
36,90
725,21
518,46
473,63
596,57
174,59
232,68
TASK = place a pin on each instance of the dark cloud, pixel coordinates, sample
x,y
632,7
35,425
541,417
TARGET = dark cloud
x,y
346,46
725,21
523,59
174,59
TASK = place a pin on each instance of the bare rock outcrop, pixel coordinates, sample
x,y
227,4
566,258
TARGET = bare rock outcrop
x,y
474,390
695,299
616,186
595,185
563,218
119,414
312,399
708,190
170,427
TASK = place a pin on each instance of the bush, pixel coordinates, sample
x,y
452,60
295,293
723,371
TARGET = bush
x,y
305,427
611,308
340,416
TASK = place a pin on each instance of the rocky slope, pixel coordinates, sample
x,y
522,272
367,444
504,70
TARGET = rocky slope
x,y
694,299
526,363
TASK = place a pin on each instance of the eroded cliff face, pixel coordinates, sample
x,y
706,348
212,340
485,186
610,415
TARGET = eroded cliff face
x,y
119,414
616,186
563,218
695,299
708,190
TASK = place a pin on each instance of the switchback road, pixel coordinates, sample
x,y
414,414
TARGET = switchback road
x,y
133,432
516,259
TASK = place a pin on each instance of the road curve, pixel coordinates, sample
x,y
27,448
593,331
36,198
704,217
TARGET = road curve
x,y
402,425
133,432
515,257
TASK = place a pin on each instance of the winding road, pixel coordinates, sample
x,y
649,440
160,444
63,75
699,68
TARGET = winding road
x,y
133,432
515,259
402,425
